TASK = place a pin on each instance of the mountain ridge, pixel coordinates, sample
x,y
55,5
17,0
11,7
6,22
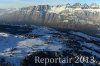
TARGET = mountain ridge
x,y
79,17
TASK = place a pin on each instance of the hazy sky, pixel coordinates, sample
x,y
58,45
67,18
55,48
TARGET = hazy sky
x,y
22,3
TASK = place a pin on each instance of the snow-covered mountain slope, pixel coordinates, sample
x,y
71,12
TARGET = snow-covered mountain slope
x,y
14,47
47,13
75,17
20,43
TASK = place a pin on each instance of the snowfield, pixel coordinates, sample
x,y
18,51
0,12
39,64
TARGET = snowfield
x,y
14,48
72,33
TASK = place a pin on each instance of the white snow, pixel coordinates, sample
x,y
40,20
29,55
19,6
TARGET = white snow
x,y
43,30
92,52
55,9
15,47
84,35
4,34
92,48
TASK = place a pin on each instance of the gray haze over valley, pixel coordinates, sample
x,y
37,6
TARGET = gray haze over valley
x,y
50,32
81,17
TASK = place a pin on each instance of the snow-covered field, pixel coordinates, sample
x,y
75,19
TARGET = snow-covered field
x,y
14,48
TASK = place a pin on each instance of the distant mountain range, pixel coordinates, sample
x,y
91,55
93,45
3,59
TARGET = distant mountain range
x,y
64,31
77,16
47,13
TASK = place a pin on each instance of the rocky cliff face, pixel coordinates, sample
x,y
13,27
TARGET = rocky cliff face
x,y
47,13
63,16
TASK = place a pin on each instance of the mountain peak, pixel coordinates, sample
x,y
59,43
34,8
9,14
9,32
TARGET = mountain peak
x,y
68,5
85,6
76,5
